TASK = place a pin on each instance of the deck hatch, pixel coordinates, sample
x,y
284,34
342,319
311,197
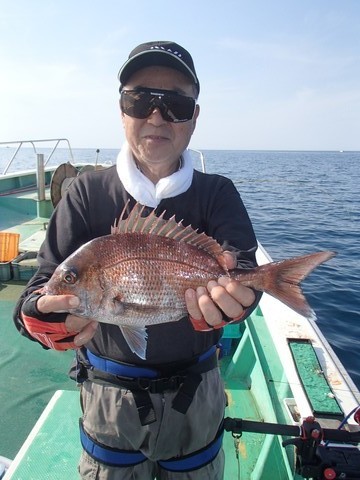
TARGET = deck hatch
x,y
313,379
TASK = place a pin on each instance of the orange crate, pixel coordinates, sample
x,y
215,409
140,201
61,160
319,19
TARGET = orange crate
x,y
9,246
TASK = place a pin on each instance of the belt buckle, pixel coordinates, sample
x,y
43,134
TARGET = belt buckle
x,y
175,381
144,383
160,385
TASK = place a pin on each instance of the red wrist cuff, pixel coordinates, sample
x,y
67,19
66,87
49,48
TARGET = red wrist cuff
x,y
202,326
52,335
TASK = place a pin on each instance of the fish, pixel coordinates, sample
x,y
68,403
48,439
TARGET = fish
x,y
137,275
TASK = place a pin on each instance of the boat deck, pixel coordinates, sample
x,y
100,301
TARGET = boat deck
x,y
52,448
29,374
23,213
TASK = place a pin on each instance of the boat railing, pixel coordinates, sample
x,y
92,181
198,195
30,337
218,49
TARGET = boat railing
x,y
41,161
35,145
56,141
202,159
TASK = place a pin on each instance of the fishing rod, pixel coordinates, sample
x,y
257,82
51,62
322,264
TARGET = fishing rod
x,y
314,458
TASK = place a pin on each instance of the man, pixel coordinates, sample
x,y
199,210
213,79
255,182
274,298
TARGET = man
x,y
160,417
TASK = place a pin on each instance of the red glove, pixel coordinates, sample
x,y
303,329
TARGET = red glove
x,y
47,328
202,326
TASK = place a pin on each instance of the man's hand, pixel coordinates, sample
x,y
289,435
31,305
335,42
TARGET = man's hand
x,y
225,294
83,327
46,319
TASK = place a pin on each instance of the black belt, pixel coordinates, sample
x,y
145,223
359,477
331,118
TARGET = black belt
x,y
185,379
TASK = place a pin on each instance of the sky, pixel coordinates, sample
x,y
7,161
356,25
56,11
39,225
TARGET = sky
x,y
274,74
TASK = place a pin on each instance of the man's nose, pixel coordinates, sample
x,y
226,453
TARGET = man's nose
x,y
155,117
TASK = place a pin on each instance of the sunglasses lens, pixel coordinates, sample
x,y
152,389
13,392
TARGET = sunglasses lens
x,y
135,103
178,108
173,106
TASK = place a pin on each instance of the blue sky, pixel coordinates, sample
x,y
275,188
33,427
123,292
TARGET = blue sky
x,y
280,74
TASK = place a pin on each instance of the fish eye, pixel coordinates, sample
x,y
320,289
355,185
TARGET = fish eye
x,y
70,277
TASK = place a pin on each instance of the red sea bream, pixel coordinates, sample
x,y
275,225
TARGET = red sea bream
x,y
137,275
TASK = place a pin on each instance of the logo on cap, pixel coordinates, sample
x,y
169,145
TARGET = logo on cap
x,y
157,47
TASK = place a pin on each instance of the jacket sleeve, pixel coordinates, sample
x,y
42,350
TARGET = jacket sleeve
x,y
230,224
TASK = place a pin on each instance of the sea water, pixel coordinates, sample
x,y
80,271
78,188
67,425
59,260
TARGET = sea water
x,y
302,202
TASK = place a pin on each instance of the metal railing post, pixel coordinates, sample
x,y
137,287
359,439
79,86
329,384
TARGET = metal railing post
x,y
40,176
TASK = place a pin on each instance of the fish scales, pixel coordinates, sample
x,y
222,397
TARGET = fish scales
x,y
142,277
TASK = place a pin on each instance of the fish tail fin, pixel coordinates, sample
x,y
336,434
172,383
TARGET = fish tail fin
x,y
282,280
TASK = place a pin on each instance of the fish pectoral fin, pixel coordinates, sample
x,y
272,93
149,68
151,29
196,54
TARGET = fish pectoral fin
x,y
136,338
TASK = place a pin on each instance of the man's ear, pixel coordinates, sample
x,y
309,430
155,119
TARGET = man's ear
x,y
121,113
195,116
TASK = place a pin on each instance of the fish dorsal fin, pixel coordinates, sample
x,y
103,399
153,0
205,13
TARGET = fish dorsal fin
x,y
154,225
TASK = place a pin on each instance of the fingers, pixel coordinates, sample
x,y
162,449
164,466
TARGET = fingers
x,y
85,327
76,324
86,333
200,306
229,305
225,296
210,312
241,294
192,304
57,303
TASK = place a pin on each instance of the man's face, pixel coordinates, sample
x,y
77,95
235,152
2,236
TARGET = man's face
x,y
155,142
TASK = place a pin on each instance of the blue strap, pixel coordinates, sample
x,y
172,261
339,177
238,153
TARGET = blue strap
x,y
120,369
107,455
194,460
126,458
133,371
207,354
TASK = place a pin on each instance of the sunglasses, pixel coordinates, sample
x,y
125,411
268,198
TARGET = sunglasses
x,y
173,106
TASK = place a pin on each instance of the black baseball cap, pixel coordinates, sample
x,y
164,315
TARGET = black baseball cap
x,y
163,53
